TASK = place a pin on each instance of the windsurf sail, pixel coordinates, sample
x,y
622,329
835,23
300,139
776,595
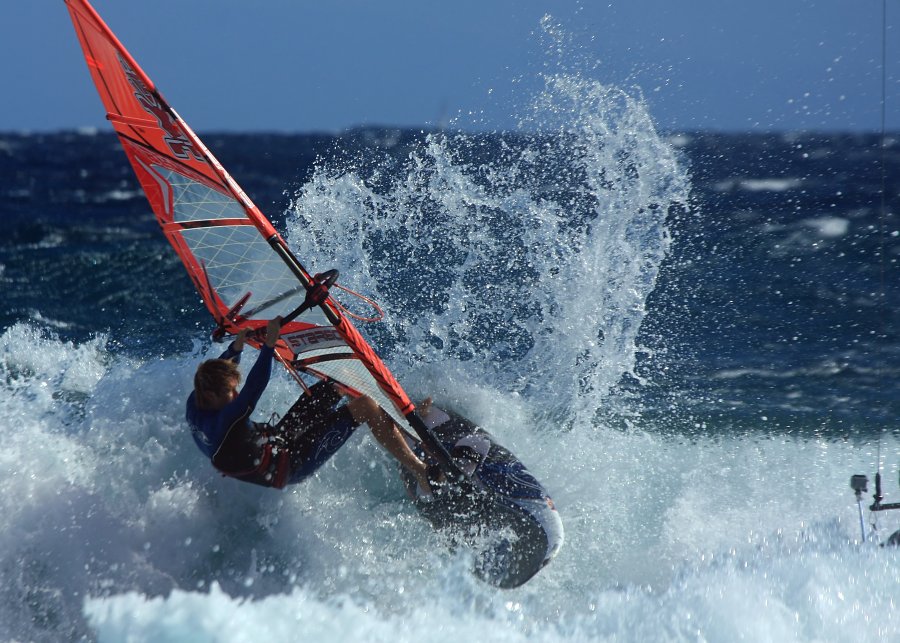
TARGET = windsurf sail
x,y
240,265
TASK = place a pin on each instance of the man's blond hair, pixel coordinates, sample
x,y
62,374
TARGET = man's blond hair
x,y
213,381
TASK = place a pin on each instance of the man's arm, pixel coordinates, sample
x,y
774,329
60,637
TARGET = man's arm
x,y
258,377
233,352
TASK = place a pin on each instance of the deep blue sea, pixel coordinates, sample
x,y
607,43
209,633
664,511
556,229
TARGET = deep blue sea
x,y
692,339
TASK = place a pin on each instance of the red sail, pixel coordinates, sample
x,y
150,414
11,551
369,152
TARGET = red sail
x,y
238,262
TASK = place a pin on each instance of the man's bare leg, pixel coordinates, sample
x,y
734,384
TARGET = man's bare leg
x,y
364,409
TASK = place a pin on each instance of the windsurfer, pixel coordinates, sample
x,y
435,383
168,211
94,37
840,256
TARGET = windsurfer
x,y
290,451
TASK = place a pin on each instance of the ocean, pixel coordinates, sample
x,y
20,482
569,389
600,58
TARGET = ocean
x,y
691,338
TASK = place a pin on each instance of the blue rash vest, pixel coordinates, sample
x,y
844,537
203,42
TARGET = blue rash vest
x,y
210,427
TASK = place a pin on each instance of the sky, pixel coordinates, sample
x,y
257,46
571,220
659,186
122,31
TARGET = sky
x,y
328,65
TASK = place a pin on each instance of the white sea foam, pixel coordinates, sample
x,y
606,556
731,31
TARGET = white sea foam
x,y
807,235
759,185
828,227
118,195
115,526
812,593
680,140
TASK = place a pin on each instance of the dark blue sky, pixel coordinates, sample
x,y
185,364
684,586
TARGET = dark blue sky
x,y
325,65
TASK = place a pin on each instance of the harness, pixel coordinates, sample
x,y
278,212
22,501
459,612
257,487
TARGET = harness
x,y
262,455
257,455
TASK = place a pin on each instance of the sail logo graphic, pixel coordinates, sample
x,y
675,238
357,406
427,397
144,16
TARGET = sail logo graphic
x,y
313,339
177,141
